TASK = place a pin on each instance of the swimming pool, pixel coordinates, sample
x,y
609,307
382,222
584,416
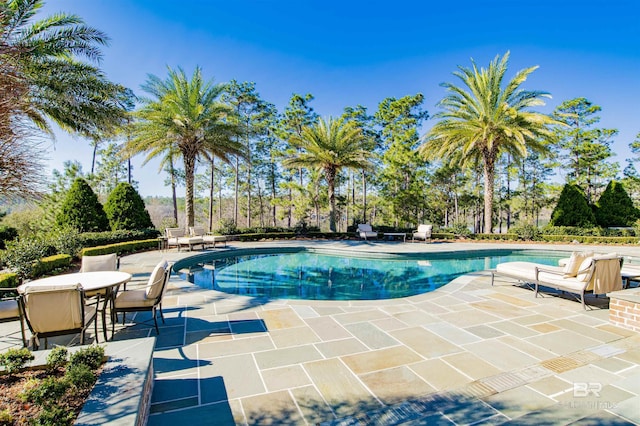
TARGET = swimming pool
x,y
318,274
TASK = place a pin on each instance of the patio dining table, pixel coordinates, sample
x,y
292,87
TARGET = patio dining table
x,y
89,281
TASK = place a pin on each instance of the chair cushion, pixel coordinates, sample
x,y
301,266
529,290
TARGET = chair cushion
x,y
44,308
572,265
364,227
106,262
9,309
196,231
133,299
586,264
156,281
174,232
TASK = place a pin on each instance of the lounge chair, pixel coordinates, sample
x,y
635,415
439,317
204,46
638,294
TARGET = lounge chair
x,y
597,274
11,310
177,238
210,239
55,311
148,298
105,262
422,233
365,231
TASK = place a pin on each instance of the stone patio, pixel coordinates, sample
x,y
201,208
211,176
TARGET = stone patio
x,y
467,353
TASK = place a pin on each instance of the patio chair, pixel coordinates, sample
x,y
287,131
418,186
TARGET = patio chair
x,y
148,298
365,231
422,233
56,311
210,239
11,310
105,262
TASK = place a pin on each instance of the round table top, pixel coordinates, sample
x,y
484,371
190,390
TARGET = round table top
x,y
88,280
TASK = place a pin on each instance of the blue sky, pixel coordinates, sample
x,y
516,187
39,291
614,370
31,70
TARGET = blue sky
x,y
348,53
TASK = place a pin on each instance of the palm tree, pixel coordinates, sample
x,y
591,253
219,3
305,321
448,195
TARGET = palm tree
x,y
43,58
185,114
330,146
484,120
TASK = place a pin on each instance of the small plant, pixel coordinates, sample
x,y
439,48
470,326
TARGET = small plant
x,y
13,360
90,356
527,232
47,392
460,230
80,376
54,416
227,227
5,417
57,357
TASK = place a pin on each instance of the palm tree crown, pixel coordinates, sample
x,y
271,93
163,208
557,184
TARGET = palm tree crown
x,y
330,146
44,59
482,120
184,116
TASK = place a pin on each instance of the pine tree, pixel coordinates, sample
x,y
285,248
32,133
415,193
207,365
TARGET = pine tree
x,y
125,209
82,210
572,209
615,207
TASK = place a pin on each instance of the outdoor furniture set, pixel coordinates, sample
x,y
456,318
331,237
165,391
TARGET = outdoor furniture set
x,y
175,237
70,303
365,231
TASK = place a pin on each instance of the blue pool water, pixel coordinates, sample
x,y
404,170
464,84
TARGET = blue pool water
x,y
319,276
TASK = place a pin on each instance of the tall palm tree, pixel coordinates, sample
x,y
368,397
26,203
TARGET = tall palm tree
x,y
185,113
45,58
330,146
482,119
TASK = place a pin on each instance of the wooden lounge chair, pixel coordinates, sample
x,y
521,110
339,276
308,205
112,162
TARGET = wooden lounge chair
x,y
365,231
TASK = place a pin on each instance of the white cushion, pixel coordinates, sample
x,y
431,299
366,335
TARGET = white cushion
x,y
196,231
572,266
586,263
154,288
133,299
105,262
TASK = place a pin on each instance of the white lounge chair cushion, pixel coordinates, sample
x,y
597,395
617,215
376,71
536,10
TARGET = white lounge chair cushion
x,y
9,309
572,265
573,283
525,271
584,266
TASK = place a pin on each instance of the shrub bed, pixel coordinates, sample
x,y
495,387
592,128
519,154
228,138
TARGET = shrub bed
x,y
120,248
49,264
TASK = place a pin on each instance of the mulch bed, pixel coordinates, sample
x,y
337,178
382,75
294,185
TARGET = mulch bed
x,y
11,386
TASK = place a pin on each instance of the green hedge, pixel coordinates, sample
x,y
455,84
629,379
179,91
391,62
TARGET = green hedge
x,y
9,280
120,248
495,237
94,239
265,236
50,263
443,235
590,239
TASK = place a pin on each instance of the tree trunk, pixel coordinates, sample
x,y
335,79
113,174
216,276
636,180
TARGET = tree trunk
x,y
174,196
489,174
331,177
189,173
93,158
211,191
364,197
273,194
235,197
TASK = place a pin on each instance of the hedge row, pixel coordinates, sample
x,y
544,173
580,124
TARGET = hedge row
x,y
51,263
9,280
120,248
94,239
589,239
264,236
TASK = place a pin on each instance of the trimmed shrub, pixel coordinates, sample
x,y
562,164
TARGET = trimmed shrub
x,y
14,360
9,280
527,232
125,209
22,255
93,239
615,207
49,264
7,233
81,209
572,209
57,357
120,248
80,376
91,356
